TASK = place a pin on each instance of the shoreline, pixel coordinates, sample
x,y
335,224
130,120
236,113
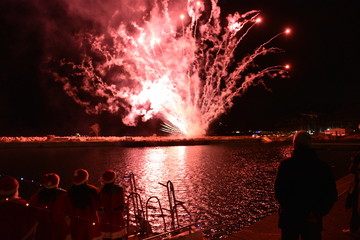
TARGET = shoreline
x,y
40,142
53,141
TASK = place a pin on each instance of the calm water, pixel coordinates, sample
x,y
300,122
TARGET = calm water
x,y
225,187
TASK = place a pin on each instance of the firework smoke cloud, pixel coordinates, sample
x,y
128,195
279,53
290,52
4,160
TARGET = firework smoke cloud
x,y
171,60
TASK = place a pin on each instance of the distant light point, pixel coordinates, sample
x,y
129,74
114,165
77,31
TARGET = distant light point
x,y
258,20
287,30
287,66
182,16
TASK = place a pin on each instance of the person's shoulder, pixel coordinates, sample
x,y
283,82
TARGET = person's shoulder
x,y
92,188
286,161
111,188
14,202
61,191
118,187
20,200
324,165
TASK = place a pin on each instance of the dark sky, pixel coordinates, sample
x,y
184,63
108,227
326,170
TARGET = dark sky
x,y
322,51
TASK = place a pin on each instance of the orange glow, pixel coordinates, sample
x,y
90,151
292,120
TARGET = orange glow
x,y
182,16
287,66
258,20
287,30
198,3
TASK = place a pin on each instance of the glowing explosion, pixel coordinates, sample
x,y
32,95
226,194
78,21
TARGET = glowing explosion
x,y
178,68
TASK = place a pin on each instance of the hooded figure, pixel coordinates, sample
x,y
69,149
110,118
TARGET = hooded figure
x,y
305,190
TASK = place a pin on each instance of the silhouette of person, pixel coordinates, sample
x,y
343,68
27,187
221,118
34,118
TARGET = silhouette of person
x,y
49,205
17,220
352,200
305,190
113,203
81,205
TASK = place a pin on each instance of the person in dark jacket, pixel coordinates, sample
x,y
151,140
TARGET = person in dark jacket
x,y
352,200
82,204
113,203
17,220
49,205
305,190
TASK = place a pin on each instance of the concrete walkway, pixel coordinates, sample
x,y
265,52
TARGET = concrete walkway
x,y
334,222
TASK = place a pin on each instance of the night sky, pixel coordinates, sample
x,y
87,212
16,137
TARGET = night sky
x,y
323,85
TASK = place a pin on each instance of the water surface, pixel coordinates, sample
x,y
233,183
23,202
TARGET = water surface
x,y
225,186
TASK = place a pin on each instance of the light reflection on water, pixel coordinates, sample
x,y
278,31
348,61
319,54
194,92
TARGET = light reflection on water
x,y
225,187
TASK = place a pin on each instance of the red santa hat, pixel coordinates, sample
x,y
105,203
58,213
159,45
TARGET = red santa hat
x,y
8,186
108,176
51,180
80,176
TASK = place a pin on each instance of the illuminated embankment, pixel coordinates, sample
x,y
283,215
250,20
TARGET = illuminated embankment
x,y
72,141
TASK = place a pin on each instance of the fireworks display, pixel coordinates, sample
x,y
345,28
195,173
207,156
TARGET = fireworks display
x,y
175,62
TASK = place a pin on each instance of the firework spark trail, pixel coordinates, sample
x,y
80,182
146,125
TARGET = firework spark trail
x,y
170,128
177,70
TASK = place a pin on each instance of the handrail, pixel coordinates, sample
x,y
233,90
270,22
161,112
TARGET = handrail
x,y
170,232
137,204
161,210
173,204
138,210
133,187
